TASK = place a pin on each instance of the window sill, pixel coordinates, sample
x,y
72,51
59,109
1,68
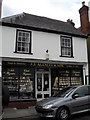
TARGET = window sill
x,y
23,53
67,56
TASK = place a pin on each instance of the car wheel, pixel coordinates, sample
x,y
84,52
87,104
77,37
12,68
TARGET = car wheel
x,y
62,114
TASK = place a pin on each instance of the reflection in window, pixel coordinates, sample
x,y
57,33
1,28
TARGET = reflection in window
x,y
46,82
26,87
64,82
82,91
55,86
64,78
39,82
56,83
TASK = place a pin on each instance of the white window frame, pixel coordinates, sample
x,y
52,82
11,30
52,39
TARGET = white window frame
x,y
23,43
66,46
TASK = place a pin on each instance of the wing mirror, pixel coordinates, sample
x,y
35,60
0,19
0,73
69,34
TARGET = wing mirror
x,y
75,95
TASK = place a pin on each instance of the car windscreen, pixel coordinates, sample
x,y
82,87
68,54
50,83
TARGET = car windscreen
x,y
64,92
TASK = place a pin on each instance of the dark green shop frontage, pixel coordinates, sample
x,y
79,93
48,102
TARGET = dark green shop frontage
x,y
28,82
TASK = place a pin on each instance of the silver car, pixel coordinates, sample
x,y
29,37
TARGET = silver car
x,y
69,101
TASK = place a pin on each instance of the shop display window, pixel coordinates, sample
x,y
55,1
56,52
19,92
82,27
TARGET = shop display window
x,y
20,81
26,87
65,77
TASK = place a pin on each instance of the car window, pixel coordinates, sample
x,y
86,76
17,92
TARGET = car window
x,y
64,92
82,91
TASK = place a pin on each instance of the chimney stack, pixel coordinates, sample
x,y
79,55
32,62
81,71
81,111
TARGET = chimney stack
x,y
71,22
84,19
0,7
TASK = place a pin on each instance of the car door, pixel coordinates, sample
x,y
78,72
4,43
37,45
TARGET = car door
x,y
80,103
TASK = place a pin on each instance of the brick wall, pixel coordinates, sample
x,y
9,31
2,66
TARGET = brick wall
x,y
21,104
84,19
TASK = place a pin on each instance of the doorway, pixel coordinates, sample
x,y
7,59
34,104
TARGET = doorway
x,y
43,85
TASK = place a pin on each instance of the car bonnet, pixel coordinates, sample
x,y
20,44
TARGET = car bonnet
x,y
50,100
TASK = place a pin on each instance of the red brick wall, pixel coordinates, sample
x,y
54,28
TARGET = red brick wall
x,y
0,10
21,104
84,19
0,7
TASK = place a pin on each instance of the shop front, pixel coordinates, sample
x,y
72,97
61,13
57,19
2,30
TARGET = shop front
x,y
28,82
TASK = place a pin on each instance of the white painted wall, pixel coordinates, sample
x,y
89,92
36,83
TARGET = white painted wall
x,y
42,41
0,51
0,41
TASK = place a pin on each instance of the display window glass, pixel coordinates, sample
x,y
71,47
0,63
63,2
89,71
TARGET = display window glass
x,y
64,78
20,81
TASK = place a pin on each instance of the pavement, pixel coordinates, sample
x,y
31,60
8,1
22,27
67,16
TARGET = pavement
x,y
9,113
30,114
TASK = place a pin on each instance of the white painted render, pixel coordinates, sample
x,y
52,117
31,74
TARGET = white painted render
x,y
0,41
41,41
0,51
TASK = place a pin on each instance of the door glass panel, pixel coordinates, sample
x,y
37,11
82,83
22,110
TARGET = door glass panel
x,y
46,82
39,82
46,95
39,95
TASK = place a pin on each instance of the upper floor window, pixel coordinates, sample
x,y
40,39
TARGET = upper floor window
x,y
66,46
23,42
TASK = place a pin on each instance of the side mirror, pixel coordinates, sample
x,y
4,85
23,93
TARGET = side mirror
x,y
75,95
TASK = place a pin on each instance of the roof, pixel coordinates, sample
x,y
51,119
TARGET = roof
x,y
34,22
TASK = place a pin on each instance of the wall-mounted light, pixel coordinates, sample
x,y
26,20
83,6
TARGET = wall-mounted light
x,y
47,55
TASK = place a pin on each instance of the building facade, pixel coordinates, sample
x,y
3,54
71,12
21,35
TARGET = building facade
x,y
40,56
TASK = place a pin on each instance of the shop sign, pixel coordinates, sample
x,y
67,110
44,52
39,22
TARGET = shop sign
x,y
32,64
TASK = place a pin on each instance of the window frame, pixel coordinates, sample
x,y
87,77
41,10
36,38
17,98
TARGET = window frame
x,y
28,43
67,47
79,91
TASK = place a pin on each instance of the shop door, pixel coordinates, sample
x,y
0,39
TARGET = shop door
x,y
43,85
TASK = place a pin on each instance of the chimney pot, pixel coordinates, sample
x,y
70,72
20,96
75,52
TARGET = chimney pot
x,y
71,22
83,3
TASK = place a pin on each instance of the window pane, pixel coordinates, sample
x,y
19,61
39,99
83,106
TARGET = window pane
x,y
26,49
69,52
66,46
82,92
46,82
20,33
19,44
19,39
19,49
23,41
39,82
